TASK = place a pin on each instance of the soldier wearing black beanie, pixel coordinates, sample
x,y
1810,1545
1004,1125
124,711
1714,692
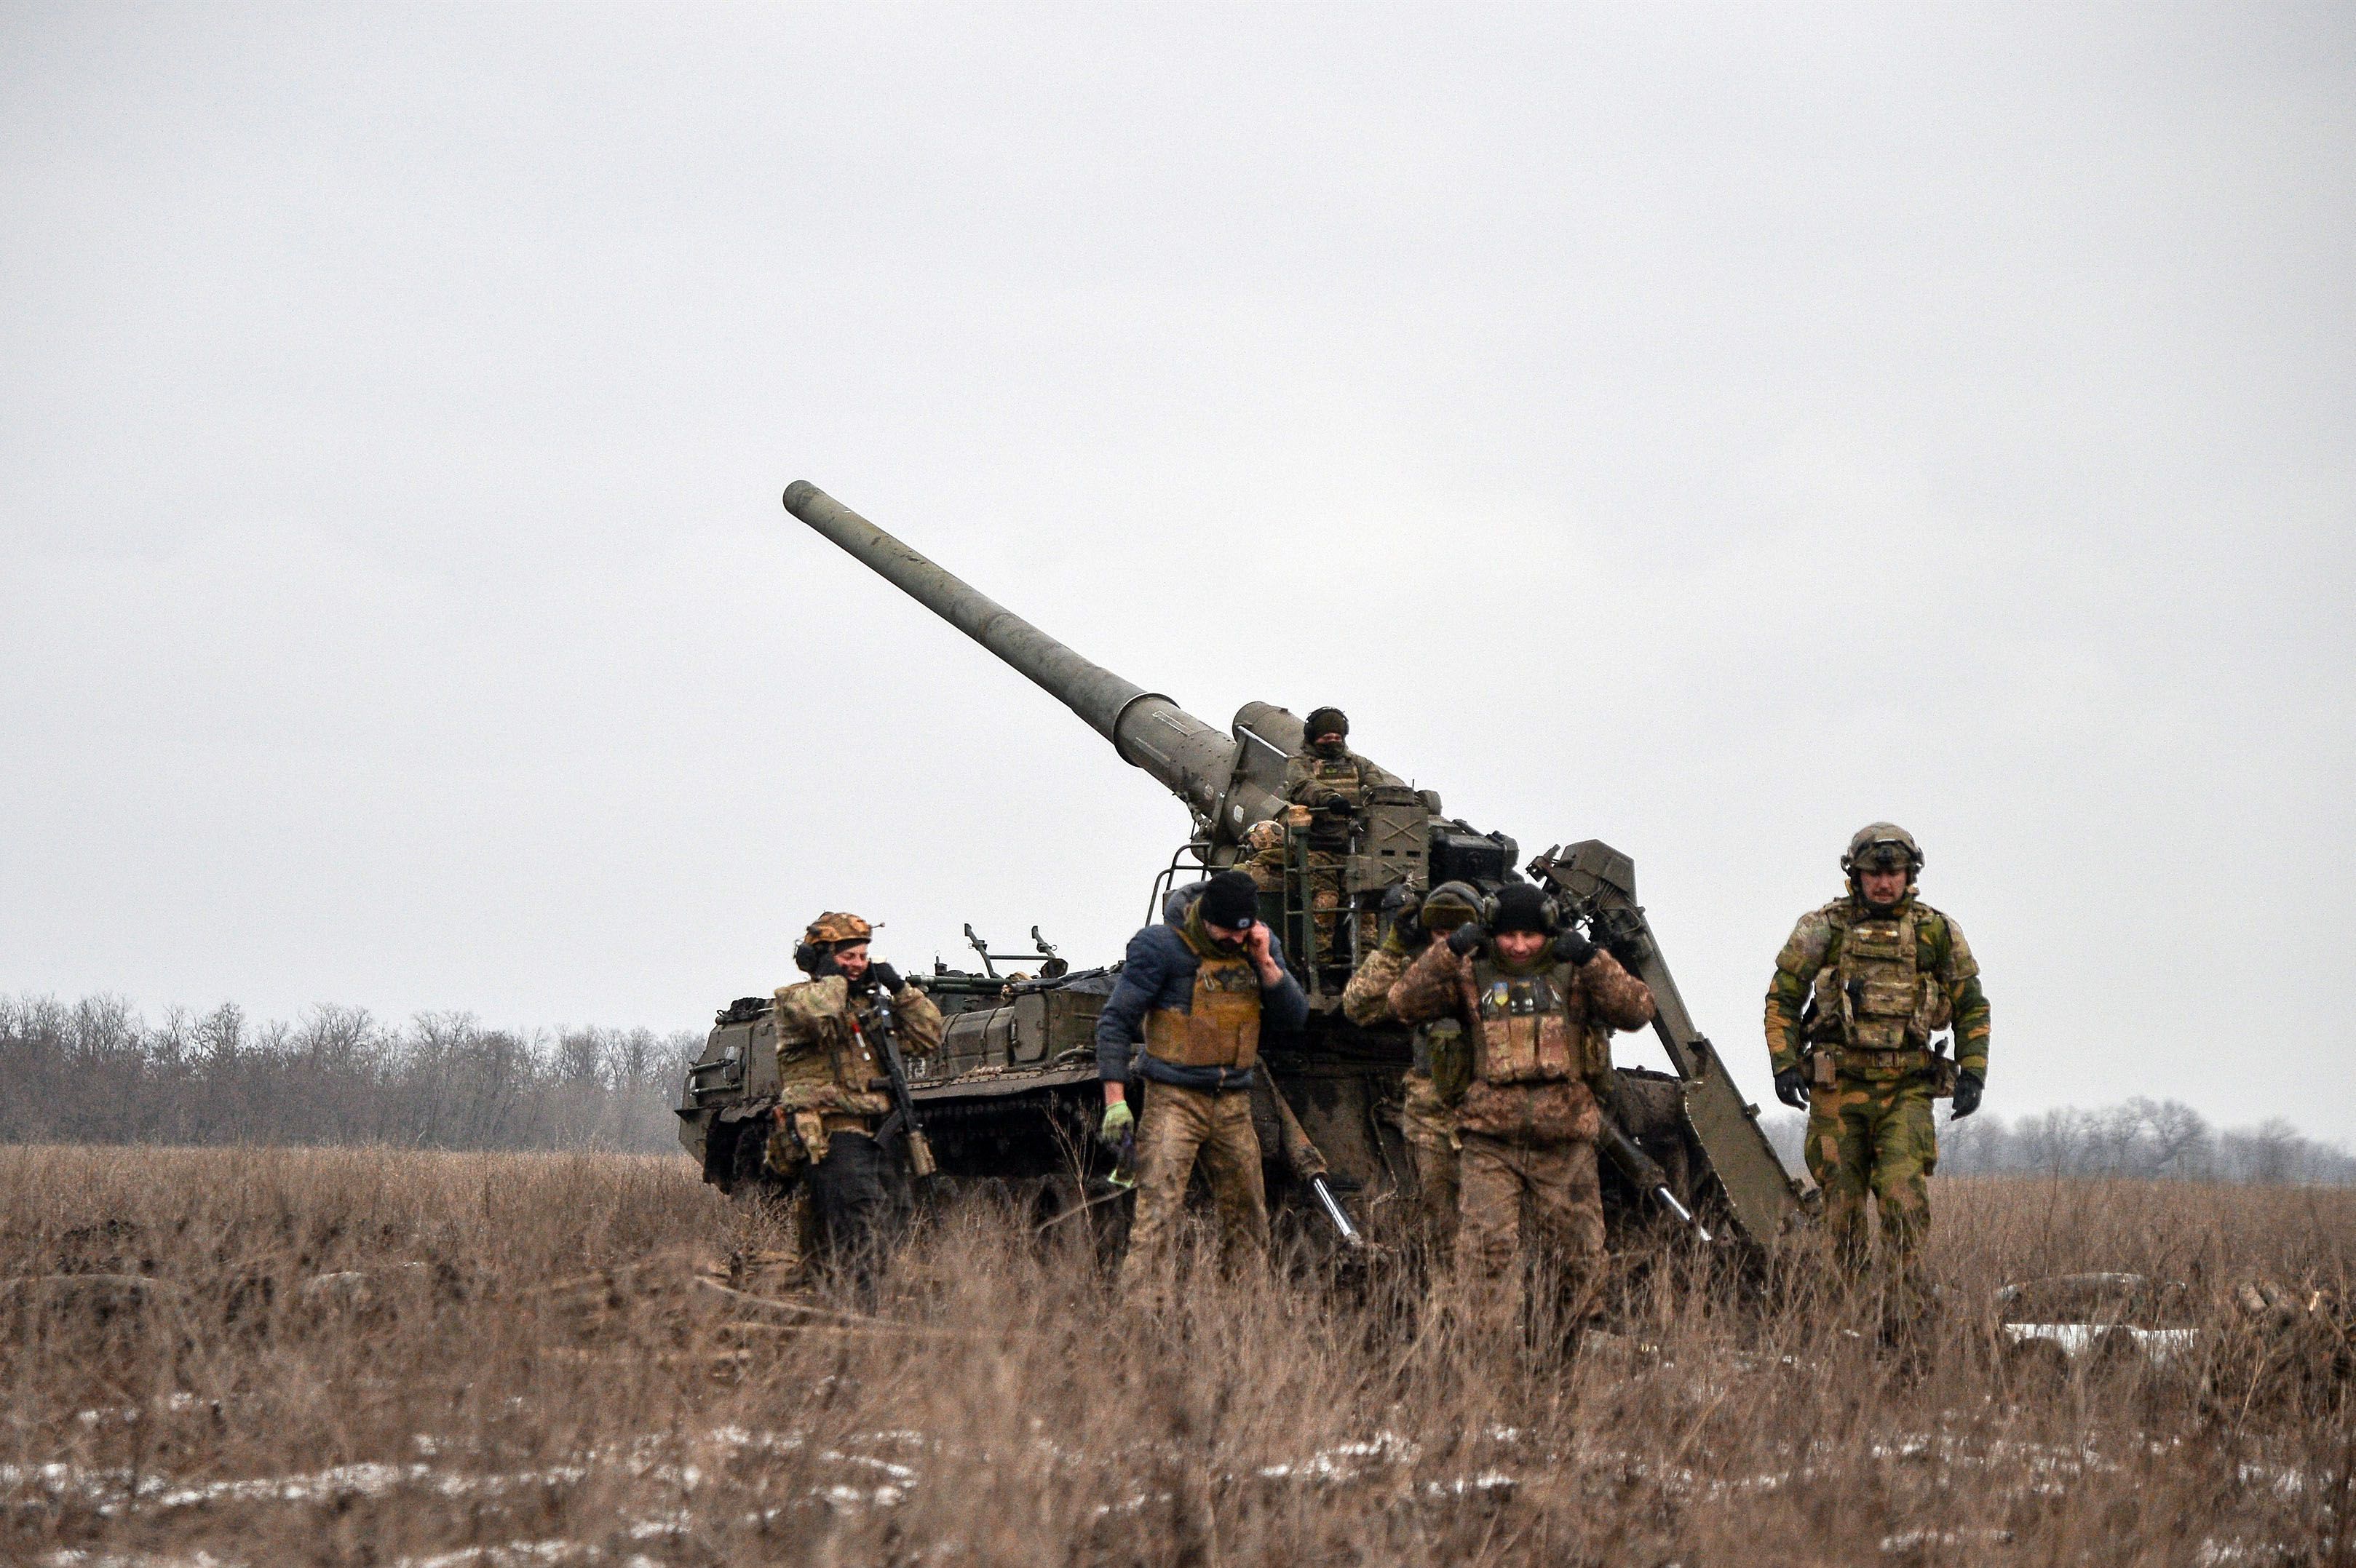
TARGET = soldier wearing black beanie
x,y
1231,901
1195,993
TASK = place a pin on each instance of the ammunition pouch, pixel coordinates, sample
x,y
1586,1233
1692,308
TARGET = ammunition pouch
x,y
1449,1055
1524,1032
798,1137
810,1129
1832,1062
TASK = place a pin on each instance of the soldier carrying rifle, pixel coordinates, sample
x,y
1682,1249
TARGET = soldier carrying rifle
x,y
835,1031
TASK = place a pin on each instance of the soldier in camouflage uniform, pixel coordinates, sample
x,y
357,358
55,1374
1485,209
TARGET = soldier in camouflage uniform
x,y
829,1053
1533,998
1859,991
1427,1112
1265,863
1328,782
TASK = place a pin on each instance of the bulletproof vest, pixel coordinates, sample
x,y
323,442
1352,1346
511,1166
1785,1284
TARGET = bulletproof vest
x,y
1525,1036
1341,776
820,1056
1872,994
1221,1024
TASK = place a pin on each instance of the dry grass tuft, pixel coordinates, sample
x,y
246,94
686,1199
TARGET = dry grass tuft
x,y
279,1356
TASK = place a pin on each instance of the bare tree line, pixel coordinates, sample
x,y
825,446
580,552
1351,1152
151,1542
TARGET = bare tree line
x,y
2141,1138
97,1072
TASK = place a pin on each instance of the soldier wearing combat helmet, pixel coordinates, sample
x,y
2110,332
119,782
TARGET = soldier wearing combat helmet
x,y
830,1051
1858,992
1438,1071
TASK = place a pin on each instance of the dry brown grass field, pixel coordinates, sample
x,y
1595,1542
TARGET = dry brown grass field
x,y
368,1357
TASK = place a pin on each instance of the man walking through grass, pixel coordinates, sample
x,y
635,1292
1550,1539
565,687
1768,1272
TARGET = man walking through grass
x,y
1536,1001
830,1030
1435,1081
1195,993
1858,992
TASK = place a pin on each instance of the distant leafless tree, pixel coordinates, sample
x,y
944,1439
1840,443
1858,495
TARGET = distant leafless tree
x,y
97,1073
2163,1139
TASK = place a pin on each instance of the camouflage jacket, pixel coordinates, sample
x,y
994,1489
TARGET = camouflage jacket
x,y
1597,998
1940,952
1367,1000
1311,780
824,1063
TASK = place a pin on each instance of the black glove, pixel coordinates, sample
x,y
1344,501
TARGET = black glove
x,y
1967,1095
1792,1087
1406,924
887,977
1571,947
1336,805
1467,939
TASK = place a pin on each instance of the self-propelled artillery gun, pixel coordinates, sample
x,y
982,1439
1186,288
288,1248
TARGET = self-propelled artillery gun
x,y
1012,1093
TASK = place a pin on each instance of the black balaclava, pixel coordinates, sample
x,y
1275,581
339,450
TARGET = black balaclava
x,y
1327,722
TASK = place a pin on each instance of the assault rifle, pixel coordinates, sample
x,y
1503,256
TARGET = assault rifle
x,y
901,1123
1642,1170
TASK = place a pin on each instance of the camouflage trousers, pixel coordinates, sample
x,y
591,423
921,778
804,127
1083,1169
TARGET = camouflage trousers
x,y
1874,1137
1179,1124
1556,1181
1324,890
1429,1128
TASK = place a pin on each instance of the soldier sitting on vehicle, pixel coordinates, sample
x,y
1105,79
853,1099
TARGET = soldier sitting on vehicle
x,y
829,1055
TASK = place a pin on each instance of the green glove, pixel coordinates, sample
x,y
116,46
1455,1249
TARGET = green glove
x,y
1117,1119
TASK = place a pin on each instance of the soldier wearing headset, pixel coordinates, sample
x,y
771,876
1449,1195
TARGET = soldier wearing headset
x,y
1537,1002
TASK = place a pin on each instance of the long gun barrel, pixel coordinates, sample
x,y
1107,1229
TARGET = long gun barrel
x,y
1195,762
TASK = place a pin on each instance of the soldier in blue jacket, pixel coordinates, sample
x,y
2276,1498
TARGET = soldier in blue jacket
x,y
1195,992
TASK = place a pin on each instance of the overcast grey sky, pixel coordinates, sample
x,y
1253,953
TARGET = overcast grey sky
x,y
1704,429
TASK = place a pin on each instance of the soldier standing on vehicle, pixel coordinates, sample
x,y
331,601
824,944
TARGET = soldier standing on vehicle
x,y
1197,991
1435,1078
1329,783
830,1053
1526,988
1859,991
